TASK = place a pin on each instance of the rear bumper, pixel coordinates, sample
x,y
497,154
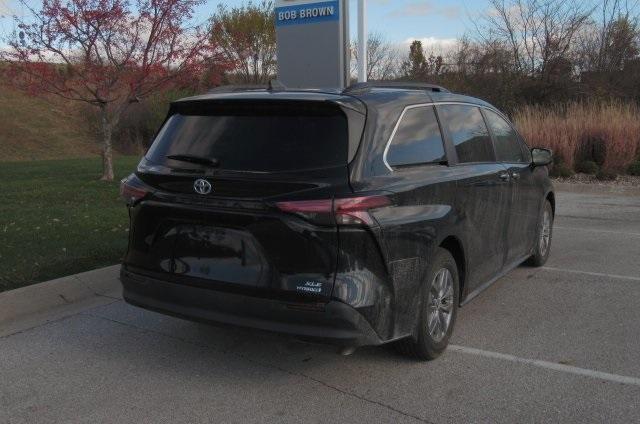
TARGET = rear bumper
x,y
333,322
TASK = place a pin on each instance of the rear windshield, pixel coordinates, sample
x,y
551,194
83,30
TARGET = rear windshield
x,y
257,139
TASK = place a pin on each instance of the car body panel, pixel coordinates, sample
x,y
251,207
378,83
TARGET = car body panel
x,y
261,252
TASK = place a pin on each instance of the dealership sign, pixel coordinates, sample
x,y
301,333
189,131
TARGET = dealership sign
x,y
313,43
308,13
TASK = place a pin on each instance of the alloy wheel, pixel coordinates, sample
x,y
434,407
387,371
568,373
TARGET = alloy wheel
x,y
440,305
545,233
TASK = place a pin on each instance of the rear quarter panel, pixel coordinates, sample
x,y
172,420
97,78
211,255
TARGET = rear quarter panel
x,y
422,216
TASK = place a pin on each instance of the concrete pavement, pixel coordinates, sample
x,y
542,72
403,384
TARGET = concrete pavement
x,y
557,344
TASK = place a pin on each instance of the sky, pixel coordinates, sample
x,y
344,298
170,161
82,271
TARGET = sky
x,y
435,22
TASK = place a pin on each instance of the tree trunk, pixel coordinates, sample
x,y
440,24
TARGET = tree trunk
x,y
107,151
139,143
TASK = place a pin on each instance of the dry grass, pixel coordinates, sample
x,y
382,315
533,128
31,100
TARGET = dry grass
x,y
567,129
32,128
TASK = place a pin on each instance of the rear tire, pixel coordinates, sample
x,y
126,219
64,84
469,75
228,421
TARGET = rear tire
x,y
543,238
438,309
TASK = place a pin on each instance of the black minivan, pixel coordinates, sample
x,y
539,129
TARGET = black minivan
x,y
355,217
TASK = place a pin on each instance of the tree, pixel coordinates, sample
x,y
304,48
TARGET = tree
x,y
618,35
107,54
538,32
136,129
382,58
610,43
621,44
246,36
418,67
415,66
483,69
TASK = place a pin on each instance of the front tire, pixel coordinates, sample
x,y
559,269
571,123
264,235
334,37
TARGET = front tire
x,y
438,309
543,238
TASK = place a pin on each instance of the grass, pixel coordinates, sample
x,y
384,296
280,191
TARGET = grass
x,y
608,133
58,219
34,129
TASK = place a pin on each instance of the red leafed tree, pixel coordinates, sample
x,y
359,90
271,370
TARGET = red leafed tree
x,y
109,54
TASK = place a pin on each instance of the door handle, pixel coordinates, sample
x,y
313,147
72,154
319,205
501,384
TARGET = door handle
x,y
505,176
515,175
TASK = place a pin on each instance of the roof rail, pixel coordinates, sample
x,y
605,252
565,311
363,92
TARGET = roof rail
x,y
235,88
367,86
273,85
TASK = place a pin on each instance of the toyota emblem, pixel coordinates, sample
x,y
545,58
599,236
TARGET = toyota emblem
x,y
202,186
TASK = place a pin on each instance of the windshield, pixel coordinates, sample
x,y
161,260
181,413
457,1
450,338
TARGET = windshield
x,y
265,141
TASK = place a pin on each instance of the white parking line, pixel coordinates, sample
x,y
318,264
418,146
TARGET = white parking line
x,y
593,230
593,274
614,378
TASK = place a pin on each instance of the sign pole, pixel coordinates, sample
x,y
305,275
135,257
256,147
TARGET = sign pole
x,y
346,42
362,41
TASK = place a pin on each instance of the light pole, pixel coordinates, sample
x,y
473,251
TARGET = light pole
x,y
362,40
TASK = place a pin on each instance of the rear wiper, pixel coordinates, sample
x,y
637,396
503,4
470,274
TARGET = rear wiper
x,y
214,163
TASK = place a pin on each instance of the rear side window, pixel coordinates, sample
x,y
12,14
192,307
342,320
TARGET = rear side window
x,y
468,132
507,142
417,140
256,139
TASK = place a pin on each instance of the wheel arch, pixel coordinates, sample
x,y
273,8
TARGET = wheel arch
x,y
551,197
453,245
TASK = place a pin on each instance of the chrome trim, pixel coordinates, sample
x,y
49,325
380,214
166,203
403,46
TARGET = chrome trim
x,y
395,129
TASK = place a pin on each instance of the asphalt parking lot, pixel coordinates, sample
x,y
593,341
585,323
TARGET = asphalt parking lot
x,y
557,344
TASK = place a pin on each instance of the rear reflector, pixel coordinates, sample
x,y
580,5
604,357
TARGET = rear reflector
x,y
346,211
306,206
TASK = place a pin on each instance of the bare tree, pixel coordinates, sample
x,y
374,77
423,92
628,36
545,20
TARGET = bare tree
x,y
540,33
383,58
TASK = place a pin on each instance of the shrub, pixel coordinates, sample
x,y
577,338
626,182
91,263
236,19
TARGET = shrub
x,y
137,127
560,170
592,148
606,176
634,169
588,167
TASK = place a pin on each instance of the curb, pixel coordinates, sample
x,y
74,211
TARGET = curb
x,y
37,298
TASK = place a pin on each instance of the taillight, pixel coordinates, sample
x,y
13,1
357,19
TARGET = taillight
x,y
345,211
355,210
132,189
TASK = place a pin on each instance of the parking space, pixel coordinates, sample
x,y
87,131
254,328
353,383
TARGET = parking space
x,y
554,344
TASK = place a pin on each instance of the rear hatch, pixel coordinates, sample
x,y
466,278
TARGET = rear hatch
x,y
211,184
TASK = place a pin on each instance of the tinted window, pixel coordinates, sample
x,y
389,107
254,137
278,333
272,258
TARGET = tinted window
x,y
468,132
507,142
417,140
281,139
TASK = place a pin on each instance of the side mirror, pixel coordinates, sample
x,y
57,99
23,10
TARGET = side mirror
x,y
541,157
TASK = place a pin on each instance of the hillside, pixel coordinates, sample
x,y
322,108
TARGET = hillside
x,y
32,129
